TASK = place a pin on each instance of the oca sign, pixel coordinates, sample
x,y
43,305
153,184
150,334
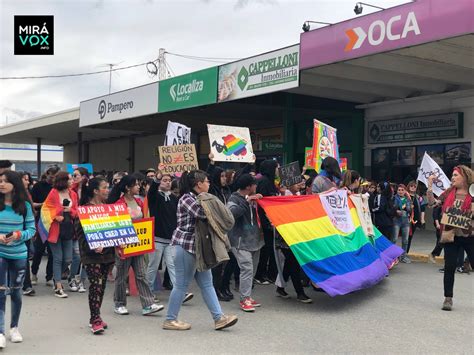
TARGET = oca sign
x,y
379,31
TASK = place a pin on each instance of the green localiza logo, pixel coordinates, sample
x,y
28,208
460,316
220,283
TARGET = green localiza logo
x,y
189,90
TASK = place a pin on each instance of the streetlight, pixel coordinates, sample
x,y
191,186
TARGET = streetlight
x,y
307,26
358,8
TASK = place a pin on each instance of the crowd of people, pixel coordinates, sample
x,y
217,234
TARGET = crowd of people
x,y
40,217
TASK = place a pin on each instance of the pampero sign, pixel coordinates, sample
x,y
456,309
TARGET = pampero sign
x,y
449,125
189,90
274,71
139,101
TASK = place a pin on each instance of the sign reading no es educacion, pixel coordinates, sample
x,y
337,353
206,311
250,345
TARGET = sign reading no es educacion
x,y
189,90
443,126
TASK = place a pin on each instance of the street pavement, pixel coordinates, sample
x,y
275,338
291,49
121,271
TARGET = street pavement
x,y
400,315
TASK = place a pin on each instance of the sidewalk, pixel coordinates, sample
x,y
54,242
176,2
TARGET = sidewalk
x,y
422,244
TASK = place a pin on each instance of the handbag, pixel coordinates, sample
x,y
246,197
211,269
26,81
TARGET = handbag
x,y
447,236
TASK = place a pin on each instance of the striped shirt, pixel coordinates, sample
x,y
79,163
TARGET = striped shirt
x,y
10,221
189,210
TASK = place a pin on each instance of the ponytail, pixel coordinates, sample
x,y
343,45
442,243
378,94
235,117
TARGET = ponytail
x,y
88,188
190,179
121,188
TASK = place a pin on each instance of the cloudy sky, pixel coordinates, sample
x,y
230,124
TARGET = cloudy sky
x,y
91,33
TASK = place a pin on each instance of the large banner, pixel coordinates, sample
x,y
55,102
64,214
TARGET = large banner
x,y
336,206
145,229
430,167
178,158
270,72
177,133
107,225
324,143
230,143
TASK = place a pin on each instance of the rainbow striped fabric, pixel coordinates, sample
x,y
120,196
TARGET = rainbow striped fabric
x,y
49,211
338,263
234,145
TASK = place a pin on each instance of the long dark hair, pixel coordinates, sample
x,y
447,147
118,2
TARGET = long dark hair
x,y
121,188
19,195
189,180
331,166
88,188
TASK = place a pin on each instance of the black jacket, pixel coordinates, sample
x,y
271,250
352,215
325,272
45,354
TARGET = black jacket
x,y
383,211
266,187
163,207
221,192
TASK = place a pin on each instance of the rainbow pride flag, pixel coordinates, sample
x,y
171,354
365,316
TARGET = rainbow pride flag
x,y
234,145
338,263
49,211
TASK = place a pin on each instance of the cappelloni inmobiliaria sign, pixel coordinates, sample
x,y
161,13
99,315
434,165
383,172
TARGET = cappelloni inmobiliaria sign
x,y
270,72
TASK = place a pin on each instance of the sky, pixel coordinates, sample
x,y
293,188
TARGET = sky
x,y
92,33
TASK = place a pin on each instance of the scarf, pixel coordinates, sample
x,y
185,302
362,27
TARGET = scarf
x,y
333,178
451,197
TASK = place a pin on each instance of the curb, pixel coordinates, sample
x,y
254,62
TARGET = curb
x,y
423,258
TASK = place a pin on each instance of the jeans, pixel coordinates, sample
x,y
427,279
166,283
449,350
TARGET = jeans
x,y
162,250
27,281
38,256
62,257
12,274
248,262
76,262
451,253
401,224
185,269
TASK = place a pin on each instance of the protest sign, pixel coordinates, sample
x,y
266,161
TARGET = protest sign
x,y
454,216
324,143
107,225
145,229
71,167
337,208
343,164
430,167
178,158
177,134
290,174
361,203
308,158
230,143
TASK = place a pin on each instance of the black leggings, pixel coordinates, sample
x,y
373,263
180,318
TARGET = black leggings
x,y
293,269
451,252
267,264
38,255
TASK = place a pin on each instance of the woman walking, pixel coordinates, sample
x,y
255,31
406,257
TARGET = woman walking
x,y
124,193
183,240
99,261
455,239
401,221
17,225
56,224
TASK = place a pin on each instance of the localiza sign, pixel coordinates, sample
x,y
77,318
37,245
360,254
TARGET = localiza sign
x,y
189,90
274,71
139,101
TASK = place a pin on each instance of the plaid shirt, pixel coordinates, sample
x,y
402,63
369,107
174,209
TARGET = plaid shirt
x,y
189,210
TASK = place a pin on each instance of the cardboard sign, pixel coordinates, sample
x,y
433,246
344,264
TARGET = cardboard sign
x,y
455,217
343,164
308,158
145,229
324,143
107,225
177,134
230,143
290,174
178,158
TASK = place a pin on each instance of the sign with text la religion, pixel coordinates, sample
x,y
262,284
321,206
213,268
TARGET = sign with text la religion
x,y
189,90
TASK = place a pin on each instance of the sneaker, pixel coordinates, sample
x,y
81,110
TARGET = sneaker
x,y
282,293
127,292
304,299
405,259
73,286
447,304
459,270
49,283
262,281
59,292
255,303
441,270
246,305
431,258
176,325
152,309
104,325
15,336
156,299
188,296
122,310
34,279
3,341
97,327
81,289
29,292
225,321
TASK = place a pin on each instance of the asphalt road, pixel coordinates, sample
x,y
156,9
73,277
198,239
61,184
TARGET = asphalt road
x,y
400,315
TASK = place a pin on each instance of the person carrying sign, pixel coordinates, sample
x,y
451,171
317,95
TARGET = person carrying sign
x,y
456,224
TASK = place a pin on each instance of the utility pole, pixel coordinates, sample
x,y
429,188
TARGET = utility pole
x,y
162,70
